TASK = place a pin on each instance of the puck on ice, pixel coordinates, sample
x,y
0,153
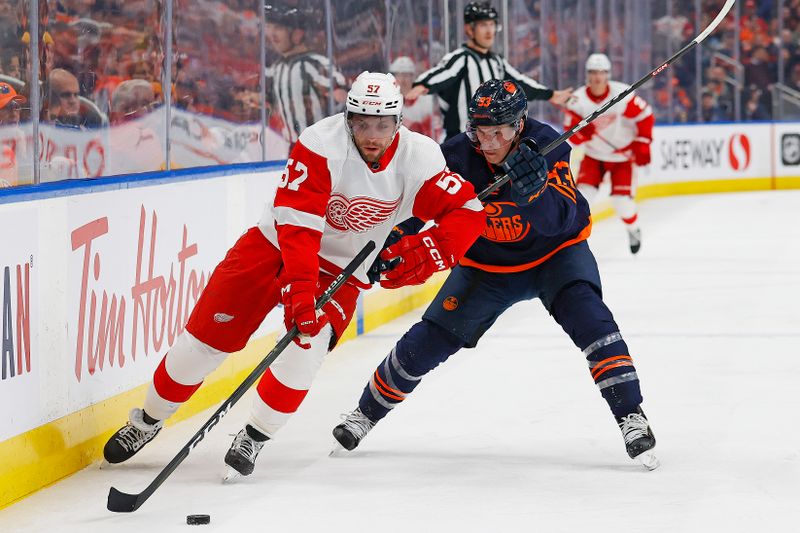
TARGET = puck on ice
x,y
198,519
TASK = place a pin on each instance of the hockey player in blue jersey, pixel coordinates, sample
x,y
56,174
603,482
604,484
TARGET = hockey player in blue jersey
x,y
534,246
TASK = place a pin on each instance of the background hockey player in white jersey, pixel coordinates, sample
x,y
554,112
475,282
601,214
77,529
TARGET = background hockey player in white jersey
x,y
349,179
420,114
613,143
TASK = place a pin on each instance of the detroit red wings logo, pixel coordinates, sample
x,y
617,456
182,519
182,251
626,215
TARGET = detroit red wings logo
x,y
358,214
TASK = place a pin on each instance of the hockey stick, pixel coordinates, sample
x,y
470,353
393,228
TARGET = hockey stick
x,y
580,125
121,502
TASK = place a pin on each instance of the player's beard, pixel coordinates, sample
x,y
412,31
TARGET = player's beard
x,y
372,152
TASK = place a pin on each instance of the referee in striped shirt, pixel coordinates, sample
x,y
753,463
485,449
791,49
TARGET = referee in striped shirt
x,y
461,71
299,81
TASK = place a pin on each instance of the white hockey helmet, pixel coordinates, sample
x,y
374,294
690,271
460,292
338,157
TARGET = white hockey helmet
x,y
403,65
375,93
598,62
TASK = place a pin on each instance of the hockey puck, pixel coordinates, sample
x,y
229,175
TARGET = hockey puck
x,y
198,519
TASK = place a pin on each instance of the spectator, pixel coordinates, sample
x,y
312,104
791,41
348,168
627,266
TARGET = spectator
x,y
11,66
131,100
717,84
793,80
419,114
185,93
63,100
245,107
12,142
757,104
761,71
710,111
134,144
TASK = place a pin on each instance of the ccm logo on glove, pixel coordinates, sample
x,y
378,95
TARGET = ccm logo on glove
x,y
420,256
434,251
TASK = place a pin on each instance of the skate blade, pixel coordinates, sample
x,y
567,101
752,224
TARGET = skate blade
x,y
338,450
231,476
648,460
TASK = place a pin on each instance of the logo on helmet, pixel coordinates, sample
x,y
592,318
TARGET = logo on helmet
x,y
510,87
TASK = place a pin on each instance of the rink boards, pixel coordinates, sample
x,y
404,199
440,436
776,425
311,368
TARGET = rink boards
x,y
99,279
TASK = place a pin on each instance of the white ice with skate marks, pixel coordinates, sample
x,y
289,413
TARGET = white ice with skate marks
x,y
514,436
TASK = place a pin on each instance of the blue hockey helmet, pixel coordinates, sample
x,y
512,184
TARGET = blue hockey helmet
x,y
497,102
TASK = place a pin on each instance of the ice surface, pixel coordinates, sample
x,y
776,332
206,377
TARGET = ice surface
x,y
514,436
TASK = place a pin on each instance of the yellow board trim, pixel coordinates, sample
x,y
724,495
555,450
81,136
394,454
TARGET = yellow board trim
x,y
60,448
49,453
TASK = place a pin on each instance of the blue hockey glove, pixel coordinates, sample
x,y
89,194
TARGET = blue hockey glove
x,y
527,169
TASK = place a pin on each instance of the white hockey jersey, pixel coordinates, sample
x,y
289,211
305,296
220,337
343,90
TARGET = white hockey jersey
x,y
616,128
330,202
422,115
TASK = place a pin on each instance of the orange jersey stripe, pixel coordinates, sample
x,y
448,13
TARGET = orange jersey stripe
x,y
582,236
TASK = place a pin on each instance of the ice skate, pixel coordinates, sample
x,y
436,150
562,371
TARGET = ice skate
x,y
639,438
130,438
241,457
350,432
635,240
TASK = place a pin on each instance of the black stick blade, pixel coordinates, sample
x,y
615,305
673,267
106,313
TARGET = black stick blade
x,y
122,502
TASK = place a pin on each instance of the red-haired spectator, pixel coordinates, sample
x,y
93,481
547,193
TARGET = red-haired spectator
x,y
13,143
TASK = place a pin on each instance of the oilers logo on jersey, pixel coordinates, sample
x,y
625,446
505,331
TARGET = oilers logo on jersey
x,y
504,223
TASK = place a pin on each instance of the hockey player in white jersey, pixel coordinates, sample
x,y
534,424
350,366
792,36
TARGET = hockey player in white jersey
x,y
348,180
613,143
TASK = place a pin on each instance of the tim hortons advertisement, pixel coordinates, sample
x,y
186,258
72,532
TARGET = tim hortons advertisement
x,y
21,360
137,264
698,153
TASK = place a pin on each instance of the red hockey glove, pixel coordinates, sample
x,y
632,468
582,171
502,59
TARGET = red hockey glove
x,y
584,135
639,152
421,255
298,309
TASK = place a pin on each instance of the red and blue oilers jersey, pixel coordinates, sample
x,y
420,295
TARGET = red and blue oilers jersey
x,y
517,238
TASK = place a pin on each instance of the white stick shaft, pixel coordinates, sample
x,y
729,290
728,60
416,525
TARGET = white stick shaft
x,y
714,23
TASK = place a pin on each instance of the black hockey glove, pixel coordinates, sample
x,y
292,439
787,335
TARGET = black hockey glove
x,y
379,266
527,169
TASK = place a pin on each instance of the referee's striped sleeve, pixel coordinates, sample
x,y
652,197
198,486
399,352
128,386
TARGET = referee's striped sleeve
x,y
533,89
448,72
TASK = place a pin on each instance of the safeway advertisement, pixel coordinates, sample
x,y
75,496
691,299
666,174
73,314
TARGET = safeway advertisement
x,y
700,153
137,265
21,359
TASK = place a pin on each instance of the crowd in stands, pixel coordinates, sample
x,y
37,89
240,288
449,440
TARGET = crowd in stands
x,y
103,62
